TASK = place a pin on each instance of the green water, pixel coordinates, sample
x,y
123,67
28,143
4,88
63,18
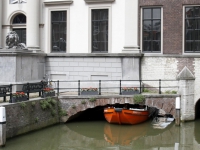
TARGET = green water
x,y
99,135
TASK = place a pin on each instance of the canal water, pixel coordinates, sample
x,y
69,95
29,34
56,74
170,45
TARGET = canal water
x,y
100,135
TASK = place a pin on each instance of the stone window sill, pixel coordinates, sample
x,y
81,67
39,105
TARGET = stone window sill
x,y
98,1
59,2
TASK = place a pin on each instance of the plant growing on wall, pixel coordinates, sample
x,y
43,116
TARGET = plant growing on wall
x,y
22,105
36,120
33,104
53,112
62,112
73,106
92,99
139,99
83,102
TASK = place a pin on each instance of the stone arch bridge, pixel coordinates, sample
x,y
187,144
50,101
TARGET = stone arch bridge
x,y
76,104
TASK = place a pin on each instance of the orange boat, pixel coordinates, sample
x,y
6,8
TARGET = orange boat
x,y
132,115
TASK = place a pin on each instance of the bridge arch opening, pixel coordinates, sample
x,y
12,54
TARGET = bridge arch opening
x,y
90,114
197,109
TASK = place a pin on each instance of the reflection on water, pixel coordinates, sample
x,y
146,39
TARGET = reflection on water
x,y
100,135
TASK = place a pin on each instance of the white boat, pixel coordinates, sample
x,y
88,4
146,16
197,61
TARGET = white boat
x,y
161,122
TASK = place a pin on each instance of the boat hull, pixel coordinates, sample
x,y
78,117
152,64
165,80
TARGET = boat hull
x,y
125,116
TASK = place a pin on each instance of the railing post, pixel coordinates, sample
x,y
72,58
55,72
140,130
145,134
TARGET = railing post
x,y
28,89
58,88
10,93
120,89
159,86
79,87
99,87
140,86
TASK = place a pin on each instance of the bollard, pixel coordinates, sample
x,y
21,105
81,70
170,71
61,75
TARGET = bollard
x,y
176,146
178,107
2,126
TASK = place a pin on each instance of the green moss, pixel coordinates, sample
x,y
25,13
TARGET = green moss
x,y
92,99
170,92
62,112
33,104
139,99
36,120
83,102
22,105
53,112
73,106
146,90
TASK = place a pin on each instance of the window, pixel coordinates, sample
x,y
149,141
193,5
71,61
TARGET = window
x,y
22,34
20,19
151,31
99,30
192,29
59,31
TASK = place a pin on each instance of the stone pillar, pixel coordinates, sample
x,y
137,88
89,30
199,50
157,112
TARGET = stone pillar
x,y
186,90
0,23
131,27
32,26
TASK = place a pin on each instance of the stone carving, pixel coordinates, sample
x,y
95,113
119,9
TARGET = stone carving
x,y
17,1
12,41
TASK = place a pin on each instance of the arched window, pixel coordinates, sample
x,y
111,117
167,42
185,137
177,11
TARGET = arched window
x,y
19,19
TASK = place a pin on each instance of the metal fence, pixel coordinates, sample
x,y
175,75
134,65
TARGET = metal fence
x,y
103,86
116,86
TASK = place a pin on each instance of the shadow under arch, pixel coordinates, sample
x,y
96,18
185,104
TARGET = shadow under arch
x,y
197,109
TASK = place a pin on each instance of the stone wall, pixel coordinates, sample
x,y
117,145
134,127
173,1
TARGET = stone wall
x,y
71,67
32,117
18,66
73,104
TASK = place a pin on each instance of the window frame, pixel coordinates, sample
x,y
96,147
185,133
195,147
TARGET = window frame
x,y
49,31
18,26
161,30
90,27
184,32
59,22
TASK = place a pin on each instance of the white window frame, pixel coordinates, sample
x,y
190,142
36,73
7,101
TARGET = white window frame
x,y
101,6
183,37
49,31
141,29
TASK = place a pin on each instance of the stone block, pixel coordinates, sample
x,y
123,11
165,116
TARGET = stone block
x,y
99,69
93,64
116,65
63,64
105,65
88,69
78,68
75,64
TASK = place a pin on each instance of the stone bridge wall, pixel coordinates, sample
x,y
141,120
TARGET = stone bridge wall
x,y
74,105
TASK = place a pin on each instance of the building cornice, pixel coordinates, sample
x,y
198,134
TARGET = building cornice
x,y
98,1
94,55
60,2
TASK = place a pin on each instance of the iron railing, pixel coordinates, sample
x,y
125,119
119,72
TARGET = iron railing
x,y
103,86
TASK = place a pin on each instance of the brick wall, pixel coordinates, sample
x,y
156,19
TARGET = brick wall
x,y
172,22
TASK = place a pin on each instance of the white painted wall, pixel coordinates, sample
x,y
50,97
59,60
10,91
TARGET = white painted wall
x,y
0,23
8,11
78,30
79,25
